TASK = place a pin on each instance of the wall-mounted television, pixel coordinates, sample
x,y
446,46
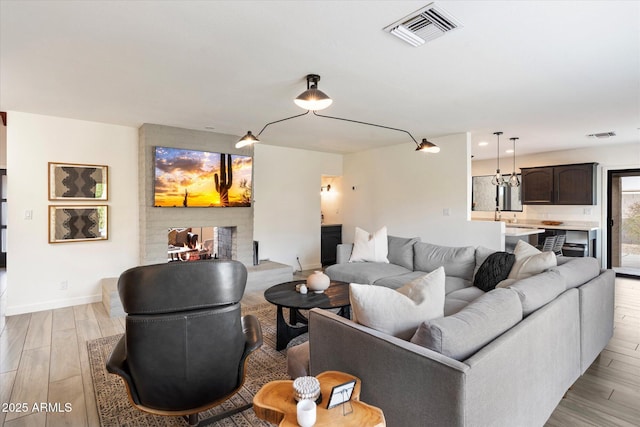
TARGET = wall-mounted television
x,y
190,178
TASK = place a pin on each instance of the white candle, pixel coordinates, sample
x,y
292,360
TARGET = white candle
x,y
306,411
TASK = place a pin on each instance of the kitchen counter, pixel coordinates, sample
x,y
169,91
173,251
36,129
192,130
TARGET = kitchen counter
x,y
511,231
529,223
552,227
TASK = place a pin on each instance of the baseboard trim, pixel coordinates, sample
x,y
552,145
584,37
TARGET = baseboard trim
x,y
51,305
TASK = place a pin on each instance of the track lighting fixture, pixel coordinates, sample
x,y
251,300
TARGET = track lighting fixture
x,y
313,99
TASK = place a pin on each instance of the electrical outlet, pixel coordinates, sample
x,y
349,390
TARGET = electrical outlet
x,y
586,211
64,285
28,214
446,212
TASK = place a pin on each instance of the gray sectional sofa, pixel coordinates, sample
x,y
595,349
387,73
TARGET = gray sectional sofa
x,y
501,358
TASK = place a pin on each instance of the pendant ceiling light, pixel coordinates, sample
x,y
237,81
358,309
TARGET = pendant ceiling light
x,y
313,99
497,178
513,179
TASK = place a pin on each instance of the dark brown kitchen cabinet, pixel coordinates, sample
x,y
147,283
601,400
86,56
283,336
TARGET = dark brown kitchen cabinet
x,y
537,186
559,185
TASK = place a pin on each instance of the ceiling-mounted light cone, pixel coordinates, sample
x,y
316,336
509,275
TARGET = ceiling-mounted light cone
x,y
428,147
313,99
248,139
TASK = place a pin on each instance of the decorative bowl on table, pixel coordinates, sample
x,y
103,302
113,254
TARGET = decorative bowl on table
x,y
551,222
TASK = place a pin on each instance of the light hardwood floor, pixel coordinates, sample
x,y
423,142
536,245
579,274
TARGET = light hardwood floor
x,y
43,358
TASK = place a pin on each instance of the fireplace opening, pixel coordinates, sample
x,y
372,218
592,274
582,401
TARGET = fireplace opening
x,y
196,243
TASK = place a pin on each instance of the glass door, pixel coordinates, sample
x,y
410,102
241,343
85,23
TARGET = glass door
x,y
623,222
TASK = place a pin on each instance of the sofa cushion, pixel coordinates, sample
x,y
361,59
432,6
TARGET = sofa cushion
x,y
399,312
457,261
363,272
464,333
394,282
481,254
495,268
457,300
452,284
578,271
370,247
530,261
538,290
401,250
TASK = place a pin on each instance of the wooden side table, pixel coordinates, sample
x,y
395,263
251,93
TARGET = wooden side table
x,y
274,403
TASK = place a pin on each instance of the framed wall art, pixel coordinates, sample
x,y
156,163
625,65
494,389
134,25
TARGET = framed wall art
x,y
69,181
77,223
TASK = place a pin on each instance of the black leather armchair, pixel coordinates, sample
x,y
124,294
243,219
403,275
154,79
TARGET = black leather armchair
x,y
186,344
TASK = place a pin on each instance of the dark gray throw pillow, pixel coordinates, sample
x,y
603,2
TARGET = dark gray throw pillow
x,y
493,270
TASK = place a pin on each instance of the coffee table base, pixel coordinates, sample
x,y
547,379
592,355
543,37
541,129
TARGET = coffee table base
x,y
285,332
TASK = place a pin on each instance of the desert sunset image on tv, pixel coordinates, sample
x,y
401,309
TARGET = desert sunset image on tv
x,y
190,178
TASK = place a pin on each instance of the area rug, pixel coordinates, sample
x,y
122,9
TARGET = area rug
x,y
264,365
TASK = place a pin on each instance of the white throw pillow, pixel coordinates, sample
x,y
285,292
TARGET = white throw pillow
x,y
373,248
399,312
530,261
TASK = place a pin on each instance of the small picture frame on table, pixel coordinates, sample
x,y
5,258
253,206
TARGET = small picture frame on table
x,y
73,182
341,394
77,223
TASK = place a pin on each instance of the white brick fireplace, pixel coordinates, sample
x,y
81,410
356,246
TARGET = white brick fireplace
x,y
155,222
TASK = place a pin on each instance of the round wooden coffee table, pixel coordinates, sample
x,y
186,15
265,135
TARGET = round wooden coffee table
x,y
284,295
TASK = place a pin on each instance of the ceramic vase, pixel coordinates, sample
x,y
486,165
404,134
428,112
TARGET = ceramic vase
x,y
318,282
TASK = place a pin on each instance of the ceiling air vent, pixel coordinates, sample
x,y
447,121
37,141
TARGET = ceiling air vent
x,y
423,25
602,135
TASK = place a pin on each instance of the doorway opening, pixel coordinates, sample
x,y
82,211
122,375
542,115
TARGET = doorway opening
x,y
623,222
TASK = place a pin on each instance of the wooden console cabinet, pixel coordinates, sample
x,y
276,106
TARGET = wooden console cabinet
x,y
559,185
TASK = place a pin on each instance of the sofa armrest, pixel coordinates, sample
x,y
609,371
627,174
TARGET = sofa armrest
x,y
343,252
409,383
597,301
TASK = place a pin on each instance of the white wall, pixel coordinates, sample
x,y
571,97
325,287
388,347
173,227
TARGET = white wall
x,y
287,202
35,268
415,194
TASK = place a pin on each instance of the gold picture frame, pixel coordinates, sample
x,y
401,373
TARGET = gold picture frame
x,y
78,223
72,181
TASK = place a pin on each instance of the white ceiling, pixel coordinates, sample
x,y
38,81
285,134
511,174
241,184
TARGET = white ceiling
x,y
548,72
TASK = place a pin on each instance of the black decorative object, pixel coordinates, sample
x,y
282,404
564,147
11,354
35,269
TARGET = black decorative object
x,y
493,270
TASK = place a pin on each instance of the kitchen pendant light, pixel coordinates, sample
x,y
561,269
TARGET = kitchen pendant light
x,y
513,179
497,178
313,98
